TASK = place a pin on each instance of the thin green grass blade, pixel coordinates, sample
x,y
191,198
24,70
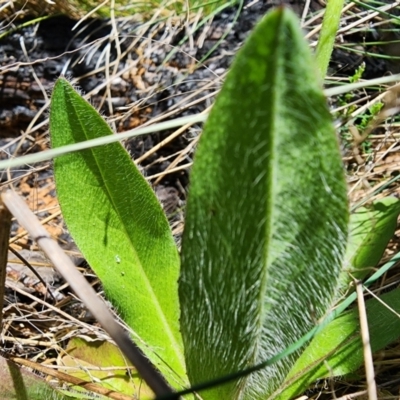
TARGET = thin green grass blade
x,y
267,216
118,224
337,350
100,141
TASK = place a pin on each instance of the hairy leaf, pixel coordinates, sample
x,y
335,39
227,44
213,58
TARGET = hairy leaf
x,y
267,215
120,228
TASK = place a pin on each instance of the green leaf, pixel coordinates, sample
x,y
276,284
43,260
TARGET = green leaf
x,y
267,215
370,231
337,349
92,361
118,224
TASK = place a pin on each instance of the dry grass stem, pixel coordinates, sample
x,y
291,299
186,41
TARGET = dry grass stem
x,y
368,361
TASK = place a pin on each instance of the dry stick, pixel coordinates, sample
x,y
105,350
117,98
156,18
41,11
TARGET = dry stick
x,y
81,287
5,227
369,365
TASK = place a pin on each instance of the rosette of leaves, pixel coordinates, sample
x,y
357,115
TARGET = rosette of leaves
x,y
265,228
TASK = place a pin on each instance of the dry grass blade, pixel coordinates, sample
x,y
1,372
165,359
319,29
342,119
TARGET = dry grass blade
x,y
369,365
351,396
64,265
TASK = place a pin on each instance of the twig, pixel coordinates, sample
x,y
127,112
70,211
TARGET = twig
x,y
5,227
